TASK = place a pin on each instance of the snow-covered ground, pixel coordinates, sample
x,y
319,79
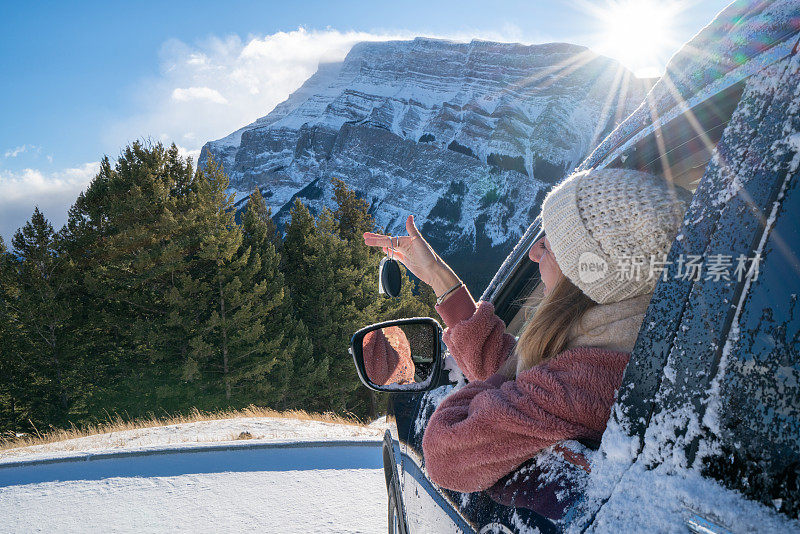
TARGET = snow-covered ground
x,y
262,429
293,476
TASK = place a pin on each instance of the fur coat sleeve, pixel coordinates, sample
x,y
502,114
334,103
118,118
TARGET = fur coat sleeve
x,y
485,430
475,336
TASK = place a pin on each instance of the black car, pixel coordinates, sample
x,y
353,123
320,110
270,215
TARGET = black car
x,y
705,433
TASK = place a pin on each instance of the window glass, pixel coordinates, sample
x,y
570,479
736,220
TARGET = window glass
x,y
758,400
677,150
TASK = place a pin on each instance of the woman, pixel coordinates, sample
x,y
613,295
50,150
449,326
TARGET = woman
x,y
559,380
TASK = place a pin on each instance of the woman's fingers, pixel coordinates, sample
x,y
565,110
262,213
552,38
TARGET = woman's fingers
x,y
377,240
399,256
411,227
413,232
380,240
412,251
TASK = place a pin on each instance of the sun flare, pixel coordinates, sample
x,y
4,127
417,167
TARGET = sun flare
x,y
639,33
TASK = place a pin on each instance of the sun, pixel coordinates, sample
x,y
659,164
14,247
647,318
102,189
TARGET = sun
x,y
638,33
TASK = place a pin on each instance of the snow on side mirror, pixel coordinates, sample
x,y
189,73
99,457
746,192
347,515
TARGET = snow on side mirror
x,y
400,355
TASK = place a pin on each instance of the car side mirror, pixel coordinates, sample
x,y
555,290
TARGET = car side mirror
x,y
400,355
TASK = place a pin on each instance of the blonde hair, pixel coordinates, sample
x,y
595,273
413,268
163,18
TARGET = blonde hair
x,y
548,331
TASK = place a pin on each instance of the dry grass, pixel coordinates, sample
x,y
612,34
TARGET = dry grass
x,y
117,423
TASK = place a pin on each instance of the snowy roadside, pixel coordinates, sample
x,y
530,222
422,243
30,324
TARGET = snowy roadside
x,y
252,430
293,475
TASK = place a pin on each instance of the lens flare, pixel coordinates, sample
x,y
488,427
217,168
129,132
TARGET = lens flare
x,y
638,33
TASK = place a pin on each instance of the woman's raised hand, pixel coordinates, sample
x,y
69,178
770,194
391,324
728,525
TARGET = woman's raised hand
x,y
417,255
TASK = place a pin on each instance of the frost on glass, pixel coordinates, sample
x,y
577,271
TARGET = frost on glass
x,y
757,418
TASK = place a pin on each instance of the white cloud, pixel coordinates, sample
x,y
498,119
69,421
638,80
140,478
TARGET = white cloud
x,y
207,90
53,192
14,152
198,93
185,152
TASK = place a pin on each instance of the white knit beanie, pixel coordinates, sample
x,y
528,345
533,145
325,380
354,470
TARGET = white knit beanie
x,y
602,223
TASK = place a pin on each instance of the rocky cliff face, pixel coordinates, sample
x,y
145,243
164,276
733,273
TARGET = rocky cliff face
x,y
466,136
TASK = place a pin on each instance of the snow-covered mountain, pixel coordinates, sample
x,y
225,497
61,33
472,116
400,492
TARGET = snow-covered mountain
x,y
466,136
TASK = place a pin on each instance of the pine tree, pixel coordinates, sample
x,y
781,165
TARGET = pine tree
x,y
42,313
353,219
131,236
351,215
235,342
307,374
281,330
295,253
14,395
332,276
334,309
181,300
310,368
330,273
259,209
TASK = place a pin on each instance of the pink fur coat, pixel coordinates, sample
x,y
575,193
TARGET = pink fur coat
x,y
489,427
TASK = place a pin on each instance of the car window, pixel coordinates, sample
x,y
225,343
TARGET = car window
x,y
680,150
756,416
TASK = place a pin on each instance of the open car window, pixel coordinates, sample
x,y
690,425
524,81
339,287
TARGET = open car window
x,y
687,161
678,151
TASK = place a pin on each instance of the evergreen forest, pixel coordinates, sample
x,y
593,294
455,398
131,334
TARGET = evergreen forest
x,y
158,297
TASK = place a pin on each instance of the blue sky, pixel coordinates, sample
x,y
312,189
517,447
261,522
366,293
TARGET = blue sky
x,y
82,79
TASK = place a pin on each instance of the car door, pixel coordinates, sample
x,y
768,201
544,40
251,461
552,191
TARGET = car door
x,y
430,508
712,393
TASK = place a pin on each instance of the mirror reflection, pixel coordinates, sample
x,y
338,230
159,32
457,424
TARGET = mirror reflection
x,y
399,355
